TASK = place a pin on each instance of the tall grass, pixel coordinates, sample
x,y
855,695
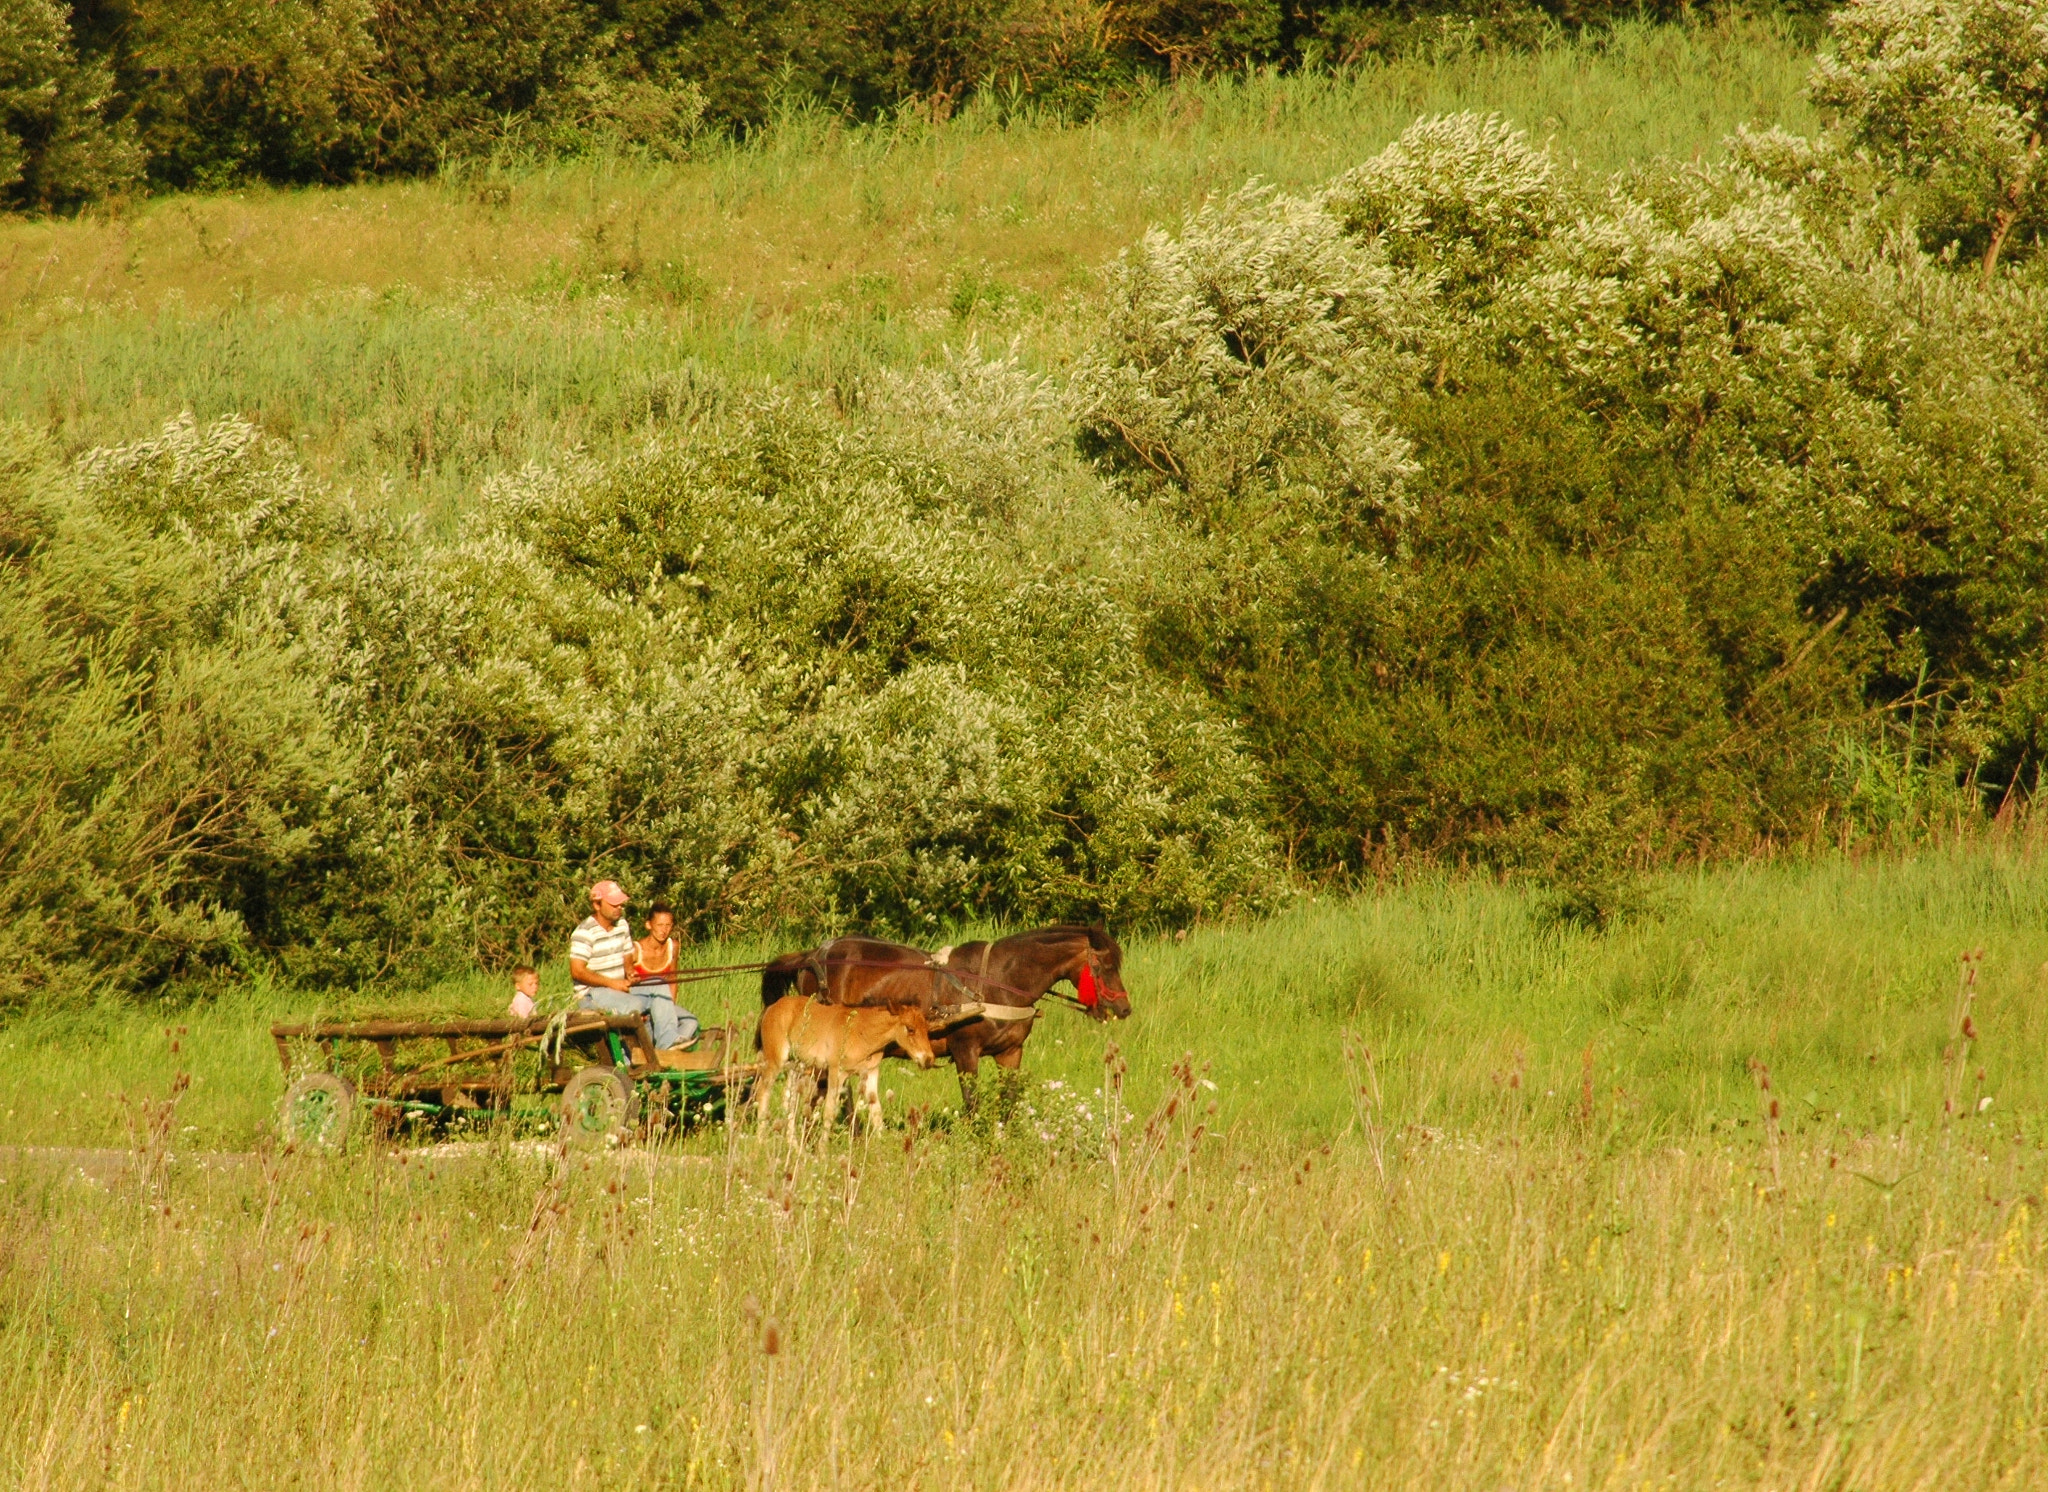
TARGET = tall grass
x,y
1441,1195
433,332
1532,1315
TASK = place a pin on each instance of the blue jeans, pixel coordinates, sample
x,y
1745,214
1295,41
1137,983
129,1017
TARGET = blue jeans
x,y
673,1026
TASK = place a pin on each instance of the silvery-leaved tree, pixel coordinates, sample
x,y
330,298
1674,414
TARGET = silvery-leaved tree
x,y
1949,97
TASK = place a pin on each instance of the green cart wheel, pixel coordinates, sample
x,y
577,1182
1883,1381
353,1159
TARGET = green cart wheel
x,y
316,1112
598,1104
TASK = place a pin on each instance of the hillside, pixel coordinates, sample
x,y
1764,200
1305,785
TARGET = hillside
x,y
433,332
1262,486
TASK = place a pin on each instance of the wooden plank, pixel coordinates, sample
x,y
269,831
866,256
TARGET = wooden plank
x,y
375,1030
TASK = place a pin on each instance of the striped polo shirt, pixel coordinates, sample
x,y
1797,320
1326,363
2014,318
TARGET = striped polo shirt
x,y
602,951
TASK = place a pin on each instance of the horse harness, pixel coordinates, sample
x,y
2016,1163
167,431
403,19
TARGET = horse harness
x,y
1000,1014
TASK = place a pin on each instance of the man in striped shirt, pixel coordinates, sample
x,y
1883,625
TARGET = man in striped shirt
x,y
600,950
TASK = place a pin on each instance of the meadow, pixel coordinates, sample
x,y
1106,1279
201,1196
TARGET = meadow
x,y
1409,1189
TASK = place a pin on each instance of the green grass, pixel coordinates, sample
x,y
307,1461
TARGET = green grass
x,y
1443,1280
1839,976
431,333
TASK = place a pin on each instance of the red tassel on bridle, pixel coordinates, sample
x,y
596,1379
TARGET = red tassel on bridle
x,y
1084,986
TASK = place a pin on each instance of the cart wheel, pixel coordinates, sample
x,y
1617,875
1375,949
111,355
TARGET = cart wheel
x,y
597,1103
316,1111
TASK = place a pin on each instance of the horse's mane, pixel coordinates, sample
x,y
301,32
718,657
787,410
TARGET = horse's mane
x,y
1097,935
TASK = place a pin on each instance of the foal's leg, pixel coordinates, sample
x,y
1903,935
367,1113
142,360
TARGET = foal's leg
x,y
871,1093
793,1097
764,1093
833,1086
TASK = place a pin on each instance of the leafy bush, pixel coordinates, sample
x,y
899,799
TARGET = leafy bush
x,y
226,91
1669,484
793,670
166,756
1950,98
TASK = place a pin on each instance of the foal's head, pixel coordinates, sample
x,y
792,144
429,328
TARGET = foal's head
x,y
913,1034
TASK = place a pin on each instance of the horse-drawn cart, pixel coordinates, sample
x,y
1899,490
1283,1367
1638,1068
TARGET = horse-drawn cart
x,y
601,1066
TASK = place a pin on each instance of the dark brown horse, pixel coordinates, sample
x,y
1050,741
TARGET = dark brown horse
x,y
1010,975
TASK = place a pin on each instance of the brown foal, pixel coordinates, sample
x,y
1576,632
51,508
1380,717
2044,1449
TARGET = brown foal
x,y
838,1040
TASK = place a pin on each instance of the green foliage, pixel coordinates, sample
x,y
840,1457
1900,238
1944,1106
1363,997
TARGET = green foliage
x,y
218,92
56,149
309,90
790,670
166,755
1950,98
539,77
225,91
1668,489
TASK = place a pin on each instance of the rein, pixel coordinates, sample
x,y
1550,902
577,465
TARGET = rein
x,y
939,970
719,971
935,965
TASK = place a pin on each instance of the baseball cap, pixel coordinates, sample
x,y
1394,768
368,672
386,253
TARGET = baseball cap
x,y
608,891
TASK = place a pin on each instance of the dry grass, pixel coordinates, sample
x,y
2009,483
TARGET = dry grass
x,y
1485,1312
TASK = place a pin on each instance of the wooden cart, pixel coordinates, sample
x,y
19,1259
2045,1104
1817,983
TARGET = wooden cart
x,y
600,1066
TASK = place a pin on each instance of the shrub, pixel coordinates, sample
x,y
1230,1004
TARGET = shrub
x,y
794,670
166,757
1671,484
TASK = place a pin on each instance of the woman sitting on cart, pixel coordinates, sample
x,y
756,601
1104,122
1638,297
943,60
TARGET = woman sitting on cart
x,y
601,952
654,971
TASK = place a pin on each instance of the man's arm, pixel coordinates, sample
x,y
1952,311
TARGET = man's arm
x,y
581,973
